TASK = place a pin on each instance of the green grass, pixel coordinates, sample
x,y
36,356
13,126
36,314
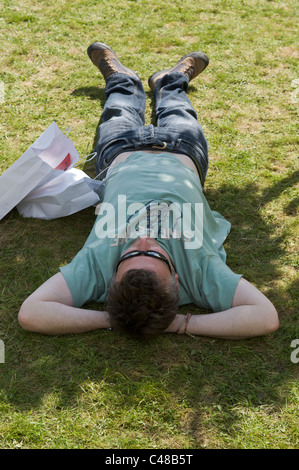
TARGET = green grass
x,y
103,390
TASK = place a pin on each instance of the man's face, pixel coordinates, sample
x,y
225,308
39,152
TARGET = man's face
x,y
146,262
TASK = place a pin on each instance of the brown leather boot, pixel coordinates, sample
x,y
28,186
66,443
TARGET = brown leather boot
x,y
191,65
107,61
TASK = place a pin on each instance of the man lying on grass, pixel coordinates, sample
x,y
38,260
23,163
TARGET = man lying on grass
x,y
155,244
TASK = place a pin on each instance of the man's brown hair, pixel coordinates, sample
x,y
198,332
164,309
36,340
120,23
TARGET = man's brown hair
x,y
140,304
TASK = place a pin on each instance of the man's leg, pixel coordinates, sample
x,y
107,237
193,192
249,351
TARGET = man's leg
x,y
122,115
123,112
175,115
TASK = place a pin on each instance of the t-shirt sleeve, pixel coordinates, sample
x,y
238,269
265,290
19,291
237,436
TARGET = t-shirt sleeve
x,y
84,278
218,284
209,283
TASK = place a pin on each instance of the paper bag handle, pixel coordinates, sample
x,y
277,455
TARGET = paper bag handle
x,y
86,159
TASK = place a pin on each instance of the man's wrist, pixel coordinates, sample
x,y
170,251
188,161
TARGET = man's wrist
x,y
180,324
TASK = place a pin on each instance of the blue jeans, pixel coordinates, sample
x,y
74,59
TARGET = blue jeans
x,y
122,129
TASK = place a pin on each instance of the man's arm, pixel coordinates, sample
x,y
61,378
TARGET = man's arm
x,y
252,314
50,310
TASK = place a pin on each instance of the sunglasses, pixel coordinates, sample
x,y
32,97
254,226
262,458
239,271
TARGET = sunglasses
x,y
151,253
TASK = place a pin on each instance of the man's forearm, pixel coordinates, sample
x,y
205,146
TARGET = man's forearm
x,y
54,318
239,322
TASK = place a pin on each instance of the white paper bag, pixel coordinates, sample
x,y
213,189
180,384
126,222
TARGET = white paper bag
x,y
70,192
47,158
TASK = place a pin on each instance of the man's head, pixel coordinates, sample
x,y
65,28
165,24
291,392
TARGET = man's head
x,y
143,294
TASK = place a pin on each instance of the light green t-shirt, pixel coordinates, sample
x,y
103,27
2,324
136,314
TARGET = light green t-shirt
x,y
156,195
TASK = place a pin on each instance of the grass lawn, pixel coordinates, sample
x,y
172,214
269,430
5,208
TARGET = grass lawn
x,y
103,390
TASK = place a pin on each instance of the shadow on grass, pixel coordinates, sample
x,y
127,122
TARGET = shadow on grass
x,y
93,93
